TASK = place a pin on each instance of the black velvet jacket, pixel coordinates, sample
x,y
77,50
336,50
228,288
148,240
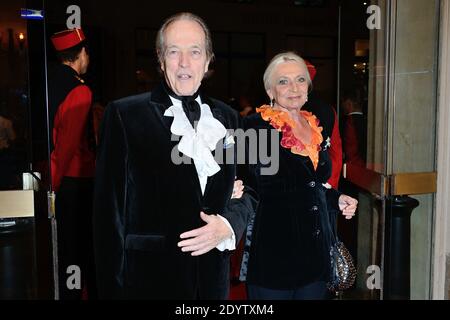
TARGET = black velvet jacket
x,y
290,237
143,202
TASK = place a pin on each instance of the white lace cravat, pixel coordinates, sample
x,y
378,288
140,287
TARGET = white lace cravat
x,y
197,144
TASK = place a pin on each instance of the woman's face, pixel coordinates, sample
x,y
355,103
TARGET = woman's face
x,y
289,85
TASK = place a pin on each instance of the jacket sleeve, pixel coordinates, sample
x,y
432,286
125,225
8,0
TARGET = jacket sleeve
x,y
351,146
333,199
240,211
72,116
335,152
110,200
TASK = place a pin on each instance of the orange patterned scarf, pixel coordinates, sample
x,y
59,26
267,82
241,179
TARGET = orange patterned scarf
x,y
283,122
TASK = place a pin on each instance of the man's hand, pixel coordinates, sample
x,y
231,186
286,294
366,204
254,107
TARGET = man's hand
x,y
348,206
206,238
238,189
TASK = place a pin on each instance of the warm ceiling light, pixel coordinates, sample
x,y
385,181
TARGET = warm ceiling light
x,y
21,36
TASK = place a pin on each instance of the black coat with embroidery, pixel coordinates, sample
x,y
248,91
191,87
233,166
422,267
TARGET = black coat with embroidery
x,y
143,202
290,239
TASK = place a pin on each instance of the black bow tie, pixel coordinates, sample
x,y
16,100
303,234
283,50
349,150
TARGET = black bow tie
x,y
190,105
191,108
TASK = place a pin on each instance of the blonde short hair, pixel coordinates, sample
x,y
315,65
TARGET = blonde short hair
x,y
281,58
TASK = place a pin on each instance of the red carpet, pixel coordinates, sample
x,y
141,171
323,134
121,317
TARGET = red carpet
x,y
238,292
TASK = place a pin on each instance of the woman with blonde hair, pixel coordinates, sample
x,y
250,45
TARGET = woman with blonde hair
x,y
289,254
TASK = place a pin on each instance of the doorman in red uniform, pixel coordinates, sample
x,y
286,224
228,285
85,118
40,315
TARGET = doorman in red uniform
x,y
72,164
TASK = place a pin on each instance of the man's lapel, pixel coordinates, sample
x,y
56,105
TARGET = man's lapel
x,y
161,100
218,115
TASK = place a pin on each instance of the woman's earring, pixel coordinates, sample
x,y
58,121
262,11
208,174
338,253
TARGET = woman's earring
x,y
272,102
306,99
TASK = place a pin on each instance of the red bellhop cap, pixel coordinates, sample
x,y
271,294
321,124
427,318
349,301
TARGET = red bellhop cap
x,y
311,69
67,39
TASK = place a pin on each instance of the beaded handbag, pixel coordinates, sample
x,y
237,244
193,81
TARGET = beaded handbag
x,y
343,270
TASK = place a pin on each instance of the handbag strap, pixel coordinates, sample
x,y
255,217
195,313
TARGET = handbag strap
x,y
333,224
328,219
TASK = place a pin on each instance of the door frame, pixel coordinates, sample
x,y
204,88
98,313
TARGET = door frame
x,y
441,236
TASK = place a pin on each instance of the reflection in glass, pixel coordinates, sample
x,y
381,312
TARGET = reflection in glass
x,y
13,98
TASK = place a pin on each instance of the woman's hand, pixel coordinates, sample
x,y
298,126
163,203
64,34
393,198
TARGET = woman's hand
x,y
348,206
238,189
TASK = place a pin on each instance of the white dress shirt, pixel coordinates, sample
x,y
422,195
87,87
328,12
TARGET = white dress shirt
x,y
198,144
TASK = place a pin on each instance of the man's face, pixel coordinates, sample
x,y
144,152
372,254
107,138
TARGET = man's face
x,y
185,61
84,61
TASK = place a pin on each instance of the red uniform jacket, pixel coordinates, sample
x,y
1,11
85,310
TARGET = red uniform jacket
x,y
72,155
355,139
335,152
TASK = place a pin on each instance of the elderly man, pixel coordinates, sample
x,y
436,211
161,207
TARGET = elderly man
x,y
163,229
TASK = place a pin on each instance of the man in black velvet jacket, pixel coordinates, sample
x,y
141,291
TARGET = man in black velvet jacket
x,y
164,230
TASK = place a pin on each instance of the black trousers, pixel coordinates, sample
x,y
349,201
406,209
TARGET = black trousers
x,y
313,291
75,247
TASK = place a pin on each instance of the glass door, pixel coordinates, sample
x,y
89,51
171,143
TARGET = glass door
x,y
388,112
24,237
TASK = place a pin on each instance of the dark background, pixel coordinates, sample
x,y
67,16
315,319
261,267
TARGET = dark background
x,y
246,35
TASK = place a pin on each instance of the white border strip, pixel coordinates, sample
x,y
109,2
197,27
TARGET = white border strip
x,y
442,216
